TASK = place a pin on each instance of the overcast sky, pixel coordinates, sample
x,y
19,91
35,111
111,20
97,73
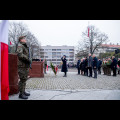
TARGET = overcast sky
x,y
68,32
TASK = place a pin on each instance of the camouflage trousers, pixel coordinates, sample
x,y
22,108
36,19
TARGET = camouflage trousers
x,y
108,71
23,74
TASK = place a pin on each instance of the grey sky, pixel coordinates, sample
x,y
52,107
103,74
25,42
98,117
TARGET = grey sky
x,y
68,32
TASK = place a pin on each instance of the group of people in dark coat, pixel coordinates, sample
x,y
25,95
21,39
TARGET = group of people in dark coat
x,y
86,65
90,65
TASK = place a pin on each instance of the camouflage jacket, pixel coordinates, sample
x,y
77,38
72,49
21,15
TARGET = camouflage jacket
x,y
109,62
23,55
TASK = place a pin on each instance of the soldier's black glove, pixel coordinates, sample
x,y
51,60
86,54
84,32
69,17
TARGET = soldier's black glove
x,y
30,61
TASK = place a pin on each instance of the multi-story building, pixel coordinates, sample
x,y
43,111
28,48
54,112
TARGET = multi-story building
x,y
104,48
54,53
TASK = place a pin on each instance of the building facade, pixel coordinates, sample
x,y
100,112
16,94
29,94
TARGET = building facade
x,y
54,53
104,48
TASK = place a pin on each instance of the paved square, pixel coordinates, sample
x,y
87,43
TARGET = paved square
x,y
73,82
72,87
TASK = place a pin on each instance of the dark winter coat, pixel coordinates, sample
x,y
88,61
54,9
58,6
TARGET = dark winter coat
x,y
64,65
82,66
86,63
95,62
119,63
78,64
99,63
114,64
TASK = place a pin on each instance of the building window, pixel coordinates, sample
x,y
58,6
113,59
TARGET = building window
x,y
41,49
71,49
58,59
46,49
54,53
59,53
53,59
58,49
53,49
46,56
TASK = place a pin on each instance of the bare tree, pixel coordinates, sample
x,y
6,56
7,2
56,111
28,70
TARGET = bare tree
x,y
16,30
19,29
93,42
95,39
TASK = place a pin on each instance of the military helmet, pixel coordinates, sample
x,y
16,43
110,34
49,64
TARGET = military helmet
x,y
21,37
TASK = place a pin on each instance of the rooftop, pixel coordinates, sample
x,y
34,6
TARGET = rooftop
x,y
110,45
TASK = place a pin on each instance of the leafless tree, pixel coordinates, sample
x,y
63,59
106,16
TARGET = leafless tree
x,y
16,30
19,29
95,39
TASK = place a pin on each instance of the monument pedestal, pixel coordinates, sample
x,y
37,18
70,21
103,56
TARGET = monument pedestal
x,y
13,74
37,70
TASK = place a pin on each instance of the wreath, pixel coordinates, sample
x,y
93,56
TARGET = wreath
x,y
54,68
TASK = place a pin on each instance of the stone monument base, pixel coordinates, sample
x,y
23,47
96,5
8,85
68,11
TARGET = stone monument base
x,y
37,70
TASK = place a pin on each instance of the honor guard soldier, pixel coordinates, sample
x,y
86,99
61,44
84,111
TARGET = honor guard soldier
x,y
23,66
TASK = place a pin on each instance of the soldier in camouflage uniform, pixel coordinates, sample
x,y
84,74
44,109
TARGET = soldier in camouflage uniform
x,y
109,66
45,65
103,66
23,66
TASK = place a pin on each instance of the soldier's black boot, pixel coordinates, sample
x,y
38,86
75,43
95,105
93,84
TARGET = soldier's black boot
x,y
26,94
22,96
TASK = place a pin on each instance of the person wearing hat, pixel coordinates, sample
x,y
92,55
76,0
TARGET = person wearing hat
x,y
23,66
64,65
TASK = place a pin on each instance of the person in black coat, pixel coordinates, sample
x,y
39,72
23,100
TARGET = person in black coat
x,y
95,65
64,66
86,67
99,66
114,65
82,66
78,66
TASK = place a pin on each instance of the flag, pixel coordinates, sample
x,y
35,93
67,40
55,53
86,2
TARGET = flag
x,y
10,43
4,76
88,31
47,67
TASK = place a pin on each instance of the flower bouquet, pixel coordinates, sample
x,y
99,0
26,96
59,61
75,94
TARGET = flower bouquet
x,y
54,68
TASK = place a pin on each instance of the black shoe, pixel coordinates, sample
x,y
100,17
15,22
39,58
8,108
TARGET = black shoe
x,y
26,94
22,96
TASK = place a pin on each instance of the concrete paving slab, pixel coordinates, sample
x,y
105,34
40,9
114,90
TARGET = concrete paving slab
x,y
72,95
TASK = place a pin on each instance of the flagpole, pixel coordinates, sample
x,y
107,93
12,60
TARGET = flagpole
x,y
89,36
